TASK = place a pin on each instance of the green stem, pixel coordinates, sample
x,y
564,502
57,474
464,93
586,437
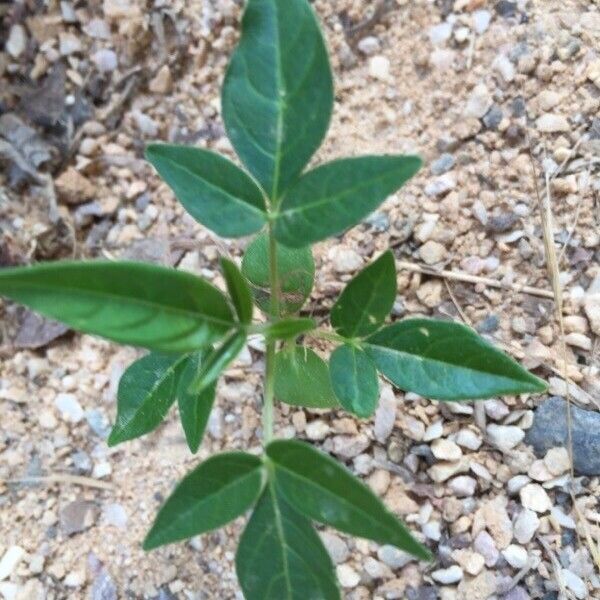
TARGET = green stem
x,y
267,415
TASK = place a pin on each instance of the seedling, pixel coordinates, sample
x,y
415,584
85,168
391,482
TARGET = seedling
x,y
276,103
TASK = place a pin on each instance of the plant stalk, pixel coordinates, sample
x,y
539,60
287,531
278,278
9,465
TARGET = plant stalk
x,y
267,414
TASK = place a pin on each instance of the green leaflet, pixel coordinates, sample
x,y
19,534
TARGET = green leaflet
x,y
286,329
367,300
146,391
214,493
338,195
132,303
323,490
216,360
238,289
302,379
194,408
277,95
211,188
446,361
281,557
296,269
354,380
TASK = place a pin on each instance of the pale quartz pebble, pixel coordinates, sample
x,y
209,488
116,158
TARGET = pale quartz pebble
x,y
438,34
497,521
448,576
10,561
481,471
385,415
579,340
515,484
516,556
347,576
69,407
469,561
481,20
503,65
463,486
379,67
393,557
539,472
534,497
467,438
432,530
442,471
495,409
552,123
336,547
317,430
575,584
562,519
504,437
557,461
526,524
484,544
444,449
376,569
434,431
479,102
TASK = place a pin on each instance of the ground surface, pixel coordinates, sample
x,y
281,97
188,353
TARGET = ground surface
x,y
473,86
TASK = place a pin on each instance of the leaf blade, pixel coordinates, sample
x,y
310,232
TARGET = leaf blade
x,y
132,303
367,300
446,361
338,195
286,329
214,493
240,293
211,188
323,490
147,389
302,379
354,380
281,557
194,408
277,96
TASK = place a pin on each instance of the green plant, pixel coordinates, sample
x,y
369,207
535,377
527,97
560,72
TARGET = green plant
x,y
277,100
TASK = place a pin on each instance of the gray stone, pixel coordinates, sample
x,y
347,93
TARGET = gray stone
x,y
77,516
444,163
392,557
98,422
549,430
492,117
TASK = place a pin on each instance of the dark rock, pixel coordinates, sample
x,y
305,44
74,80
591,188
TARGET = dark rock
x,y
501,222
549,430
492,117
36,332
424,592
489,324
444,163
77,516
505,8
518,107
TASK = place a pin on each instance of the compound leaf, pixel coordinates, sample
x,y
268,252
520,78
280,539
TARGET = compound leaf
x,y
211,188
194,408
302,379
238,289
325,491
367,300
338,195
147,390
354,380
446,361
281,557
214,493
296,269
278,92
128,302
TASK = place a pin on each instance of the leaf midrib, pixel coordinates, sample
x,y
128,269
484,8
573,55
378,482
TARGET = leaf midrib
x,y
237,199
316,484
133,299
287,212
169,372
183,515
